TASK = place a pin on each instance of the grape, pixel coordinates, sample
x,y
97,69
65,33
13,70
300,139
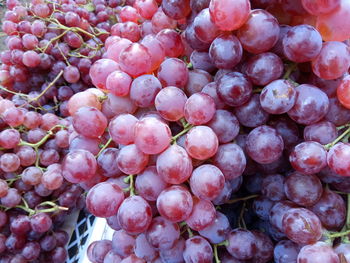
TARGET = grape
x,y
40,222
197,79
114,106
264,144
234,89
175,203
135,60
251,114
132,259
272,187
336,159
118,83
161,21
256,68
152,136
104,199
78,166
107,162
331,27
174,165
197,249
171,41
259,33
176,9
302,43
131,160
193,40
320,7
225,125
9,162
143,249
322,132
303,189
100,70
199,108
134,215
202,60
225,51
286,251
82,99
114,50
221,13
149,184
32,175
204,27
31,251
144,89
201,142
111,257
332,66
264,247
302,226
170,103
262,206
342,92
173,72
9,138
343,251
241,244
203,214
146,8
155,49
278,211
162,234
123,243
316,252
100,249
89,122
307,109
175,253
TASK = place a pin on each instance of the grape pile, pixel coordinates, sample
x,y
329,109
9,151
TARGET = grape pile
x,y
202,130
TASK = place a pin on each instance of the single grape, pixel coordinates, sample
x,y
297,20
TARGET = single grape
x,y
241,244
123,243
336,158
203,214
199,108
131,160
144,89
320,251
170,103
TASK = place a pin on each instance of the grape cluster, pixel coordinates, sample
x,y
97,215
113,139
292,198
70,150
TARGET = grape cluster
x,y
202,130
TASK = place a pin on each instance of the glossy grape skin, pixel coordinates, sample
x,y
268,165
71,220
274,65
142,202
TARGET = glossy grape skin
x,y
171,41
170,103
234,89
175,253
221,13
193,41
305,190
9,138
286,251
262,206
135,60
331,27
333,60
131,160
230,159
225,51
197,249
336,158
241,244
135,214
302,226
118,83
112,257
201,142
207,181
251,114
202,60
311,105
100,70
320,251
264,247
143,249
162,234
152,136
342,250
302,43
320,7
256,68
156,50
203,214
176,9
175,203
144,89
343,92
123,243
225,125
323,132
217,231
199,108
82,99
149,184
41,222
121,128
278,211
260,32
197,79
173,72
9,162
204,27
104,199
288,129
264,144
272,187
174,165
89,122
97,250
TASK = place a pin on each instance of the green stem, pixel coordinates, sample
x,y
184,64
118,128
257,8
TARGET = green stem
x,y
189,231
131,183
339,234
185,130
216,256
289,71
257,90
241,199
343,126
104,147
330,145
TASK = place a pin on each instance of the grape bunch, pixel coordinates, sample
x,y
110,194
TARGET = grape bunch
x,y
202,130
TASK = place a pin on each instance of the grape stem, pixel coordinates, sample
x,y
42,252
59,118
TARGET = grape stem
x,y
330,145
338,234
241,199
216,256
290,69
185,130
104,147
